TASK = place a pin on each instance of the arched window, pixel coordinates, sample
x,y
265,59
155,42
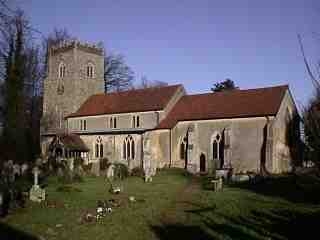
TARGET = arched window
x,y
132,149
99,148
90,70
218,149
62,70
128,148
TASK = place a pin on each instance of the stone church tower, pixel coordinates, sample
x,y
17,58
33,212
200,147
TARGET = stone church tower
x,y
75,72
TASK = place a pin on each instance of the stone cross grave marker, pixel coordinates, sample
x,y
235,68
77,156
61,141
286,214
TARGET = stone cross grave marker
x,y
35,176
37,194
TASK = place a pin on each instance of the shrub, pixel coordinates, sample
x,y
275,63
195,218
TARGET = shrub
x,y
64,174
311,120
120,171
137,172
77,177
78,161
104,164
87,168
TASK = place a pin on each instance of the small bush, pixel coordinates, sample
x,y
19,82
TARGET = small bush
x,y
87,168
120,171
78,162
137,172
66,177
64,172
77,177
104,164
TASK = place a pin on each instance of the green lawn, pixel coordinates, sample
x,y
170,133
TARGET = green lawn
x,y
174,206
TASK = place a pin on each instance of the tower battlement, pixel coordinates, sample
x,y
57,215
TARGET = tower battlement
x,y
96,48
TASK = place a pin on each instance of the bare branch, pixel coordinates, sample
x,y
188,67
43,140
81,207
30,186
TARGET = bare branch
x,y
315,82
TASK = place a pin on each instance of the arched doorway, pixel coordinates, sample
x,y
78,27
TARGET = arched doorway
x,y
202,163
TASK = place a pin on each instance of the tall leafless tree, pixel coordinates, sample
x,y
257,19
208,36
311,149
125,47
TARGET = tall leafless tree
x,y
311,113
118,76
146,83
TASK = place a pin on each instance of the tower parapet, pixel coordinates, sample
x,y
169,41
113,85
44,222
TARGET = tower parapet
x,y
96,48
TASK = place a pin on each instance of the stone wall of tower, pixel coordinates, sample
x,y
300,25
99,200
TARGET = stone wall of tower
x,y
63,96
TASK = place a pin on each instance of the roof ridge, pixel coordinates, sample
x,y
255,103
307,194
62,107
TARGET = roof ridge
x,y
137,90
238,90
255,102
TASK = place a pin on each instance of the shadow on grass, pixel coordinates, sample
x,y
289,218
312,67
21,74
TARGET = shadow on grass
x,y
258,224
282,224
7,232
179,231
293,188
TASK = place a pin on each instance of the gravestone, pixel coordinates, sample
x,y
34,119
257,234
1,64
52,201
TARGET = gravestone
x,y
217,184
37,194
7,171
38,162
24,168
149,170
16,170
71,163
110,171
95,170
240,178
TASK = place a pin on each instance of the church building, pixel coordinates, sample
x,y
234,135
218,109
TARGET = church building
x,y
245,130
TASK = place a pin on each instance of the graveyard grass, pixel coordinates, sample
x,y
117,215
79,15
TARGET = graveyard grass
x,y
174,206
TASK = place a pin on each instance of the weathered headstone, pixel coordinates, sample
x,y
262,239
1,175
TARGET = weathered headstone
x,y
36,176
16,170
110,171
217,184
38,162
71,163
24,168
37,194
240,178
148,174
8,171
95,170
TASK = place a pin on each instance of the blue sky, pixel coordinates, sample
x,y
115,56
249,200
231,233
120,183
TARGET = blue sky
x,y
198,42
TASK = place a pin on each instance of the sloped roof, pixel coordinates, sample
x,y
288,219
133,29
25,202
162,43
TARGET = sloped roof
x,y
227,104
140,100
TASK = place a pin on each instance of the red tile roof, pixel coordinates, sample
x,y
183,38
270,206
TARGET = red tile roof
x,y
228,104
141,100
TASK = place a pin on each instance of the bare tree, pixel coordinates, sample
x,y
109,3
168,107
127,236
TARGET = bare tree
x,y
146,83
311,114
56,37
118,76
22,74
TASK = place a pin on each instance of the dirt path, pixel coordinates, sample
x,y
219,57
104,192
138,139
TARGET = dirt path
x,y
176,212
